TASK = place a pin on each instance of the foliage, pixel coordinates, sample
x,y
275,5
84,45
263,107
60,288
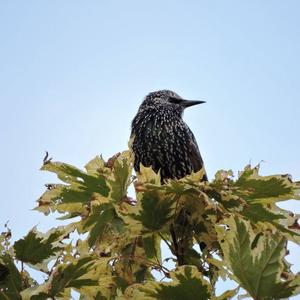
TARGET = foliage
x,y
226,228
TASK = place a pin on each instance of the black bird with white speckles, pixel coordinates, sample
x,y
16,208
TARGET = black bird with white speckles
x,y
162,140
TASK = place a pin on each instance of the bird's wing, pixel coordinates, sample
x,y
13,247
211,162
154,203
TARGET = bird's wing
x,y
195,156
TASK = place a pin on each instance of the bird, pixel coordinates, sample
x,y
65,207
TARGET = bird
x,y
161,138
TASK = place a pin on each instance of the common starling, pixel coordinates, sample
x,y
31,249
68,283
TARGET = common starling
x,y
162,140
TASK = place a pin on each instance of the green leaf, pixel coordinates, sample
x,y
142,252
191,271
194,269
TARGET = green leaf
x,y
102,218
155,211
265,189
147,175
95,166
122,169
257,269
36,247
10,281
187,283
97,221
223,175
152,246
77,192
33,249
4,272
69,276
227,295
257,213
71,175
260,213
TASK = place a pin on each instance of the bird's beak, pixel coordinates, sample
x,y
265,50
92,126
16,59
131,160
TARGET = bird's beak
x,y
188,103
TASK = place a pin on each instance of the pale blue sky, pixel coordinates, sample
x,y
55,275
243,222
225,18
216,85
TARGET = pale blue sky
x,y
73,73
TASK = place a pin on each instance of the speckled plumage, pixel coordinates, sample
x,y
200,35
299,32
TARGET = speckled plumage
x,y
162,139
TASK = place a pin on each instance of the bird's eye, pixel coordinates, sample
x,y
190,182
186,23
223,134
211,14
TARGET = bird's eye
x,y
174,100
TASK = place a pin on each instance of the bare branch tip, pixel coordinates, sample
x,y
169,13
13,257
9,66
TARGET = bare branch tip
x,y
47,160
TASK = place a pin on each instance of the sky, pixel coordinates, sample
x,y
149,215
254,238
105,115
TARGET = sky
x,y
73,73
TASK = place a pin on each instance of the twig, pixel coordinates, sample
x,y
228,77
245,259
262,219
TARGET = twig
x,y
148,262
168,244
47,160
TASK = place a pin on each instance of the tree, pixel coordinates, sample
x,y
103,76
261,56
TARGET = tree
x,y
227,228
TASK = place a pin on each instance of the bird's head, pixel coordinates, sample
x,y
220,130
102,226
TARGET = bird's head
x,y
167,98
